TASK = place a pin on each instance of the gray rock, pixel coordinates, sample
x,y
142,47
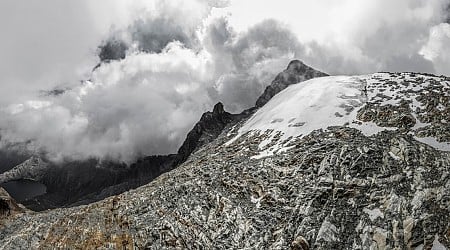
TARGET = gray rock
x,y
8,207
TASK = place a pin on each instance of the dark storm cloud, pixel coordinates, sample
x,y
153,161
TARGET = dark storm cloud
x,y
112,49
166,22
154,35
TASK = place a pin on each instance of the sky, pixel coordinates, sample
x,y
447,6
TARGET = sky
x,y
180,58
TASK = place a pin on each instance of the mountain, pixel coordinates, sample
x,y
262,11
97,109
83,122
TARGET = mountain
x,y
207,129
340,162
112,50
81,182
10,157
295,72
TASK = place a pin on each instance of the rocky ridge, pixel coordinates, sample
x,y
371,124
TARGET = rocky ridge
x,y
81,182
365,177
32,169
69,184
295,72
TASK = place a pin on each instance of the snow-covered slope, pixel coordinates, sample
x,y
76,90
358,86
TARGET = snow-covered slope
x,y
400,100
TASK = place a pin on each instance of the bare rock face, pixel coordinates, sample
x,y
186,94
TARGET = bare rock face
x,y
8,206
210,126
296,72
349,181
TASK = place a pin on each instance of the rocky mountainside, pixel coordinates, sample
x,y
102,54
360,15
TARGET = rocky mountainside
x,y
348,162
81,182
296,72
10,157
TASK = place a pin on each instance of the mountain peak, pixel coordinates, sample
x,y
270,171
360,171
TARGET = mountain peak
x,y
218,108
369,103
295,65
207,129
295,72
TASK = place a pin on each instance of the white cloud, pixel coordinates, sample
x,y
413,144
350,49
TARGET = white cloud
x,y
183,57
352,36
437,48
141,105
44,44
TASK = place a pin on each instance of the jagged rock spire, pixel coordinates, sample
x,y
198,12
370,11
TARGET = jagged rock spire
x,y
218,108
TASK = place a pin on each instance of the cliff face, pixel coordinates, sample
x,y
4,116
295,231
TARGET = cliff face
x,y
362,163
8,207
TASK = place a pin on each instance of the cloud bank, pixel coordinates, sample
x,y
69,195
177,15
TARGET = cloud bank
x,y
167,62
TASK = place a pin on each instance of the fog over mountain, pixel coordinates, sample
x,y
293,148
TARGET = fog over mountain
x,y
122,79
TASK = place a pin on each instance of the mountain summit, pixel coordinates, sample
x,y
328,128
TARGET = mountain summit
x,y
295,72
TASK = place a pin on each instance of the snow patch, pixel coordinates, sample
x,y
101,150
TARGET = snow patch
x,y
334,101
437,245
373,213
431,141
314,104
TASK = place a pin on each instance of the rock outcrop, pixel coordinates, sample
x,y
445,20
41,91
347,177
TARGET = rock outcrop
x,y
296,72
8,207
210,126
349,180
